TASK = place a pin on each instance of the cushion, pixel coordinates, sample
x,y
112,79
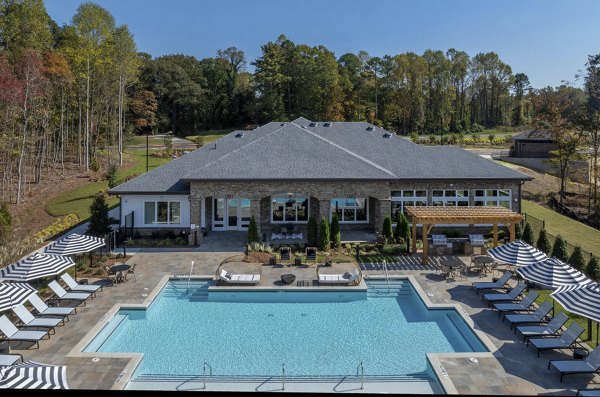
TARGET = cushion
x,y
347,276
228,275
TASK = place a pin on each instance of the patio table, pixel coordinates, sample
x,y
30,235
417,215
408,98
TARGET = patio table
x,y
455,265
119,269
483,262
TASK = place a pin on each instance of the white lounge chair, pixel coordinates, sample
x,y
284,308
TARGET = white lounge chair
x,y
549,329
43,310
590,365
61,294
30,321
537,316
231,278
76,287
12,333
9,359
346,278
499,284
566,340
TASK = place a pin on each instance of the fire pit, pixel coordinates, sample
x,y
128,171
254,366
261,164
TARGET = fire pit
x,y
288,278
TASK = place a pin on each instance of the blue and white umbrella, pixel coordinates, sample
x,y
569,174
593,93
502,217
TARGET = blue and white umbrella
x,y
583,300
12,294
553,272
74,244
33,375
36,266
517,253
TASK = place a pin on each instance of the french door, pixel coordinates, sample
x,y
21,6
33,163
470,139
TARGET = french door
x,y
231,213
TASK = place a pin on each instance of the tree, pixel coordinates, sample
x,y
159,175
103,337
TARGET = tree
x,y
324,242
111,176
399,217
592,88
312,234
576,259
404,233
528,234
253,236
559,249
24,26
335,233
518,231
99,220
386,231
543,244
592,270
142,110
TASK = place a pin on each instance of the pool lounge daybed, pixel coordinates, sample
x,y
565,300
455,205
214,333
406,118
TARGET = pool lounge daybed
x,y
346,278
231,278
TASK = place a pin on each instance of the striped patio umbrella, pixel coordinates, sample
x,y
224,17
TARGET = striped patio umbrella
x,y
583,300
74,244
33,375
36,266
517,253
12,294
553,272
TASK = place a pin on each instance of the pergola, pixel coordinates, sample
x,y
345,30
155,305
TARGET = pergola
x,y
430,216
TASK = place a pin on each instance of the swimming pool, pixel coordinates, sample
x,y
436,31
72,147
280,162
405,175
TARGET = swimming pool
x,y
314,333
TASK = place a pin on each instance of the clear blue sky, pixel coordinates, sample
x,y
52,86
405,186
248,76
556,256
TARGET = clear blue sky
x,y
548,40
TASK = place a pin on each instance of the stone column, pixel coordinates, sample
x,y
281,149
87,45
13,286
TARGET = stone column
x,y
324,209
195,209
383,208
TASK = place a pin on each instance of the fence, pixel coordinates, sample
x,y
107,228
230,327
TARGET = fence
x,y
538,224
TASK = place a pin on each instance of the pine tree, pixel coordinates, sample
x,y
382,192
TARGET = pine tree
x,y
527,234
253,236
312,235
518,231
399,217
387,228
405,232
559,249
111,176
336,235
592,270
576,259
543,244
324,243
99,220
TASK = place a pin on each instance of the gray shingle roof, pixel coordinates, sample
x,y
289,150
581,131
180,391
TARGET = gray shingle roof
x,y
299,151
534,135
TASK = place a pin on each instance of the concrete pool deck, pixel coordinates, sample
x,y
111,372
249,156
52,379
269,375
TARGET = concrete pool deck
x,y
513,368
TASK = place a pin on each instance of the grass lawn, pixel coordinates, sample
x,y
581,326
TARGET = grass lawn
x,y
571,230
78,200
583,321
210,135
139,140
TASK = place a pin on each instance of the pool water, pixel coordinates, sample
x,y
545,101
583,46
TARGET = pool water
x,y
313,333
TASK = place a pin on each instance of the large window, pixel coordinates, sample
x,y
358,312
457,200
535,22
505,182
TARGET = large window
x,y
407,198
493,197
162,212
289,208
350,210
450,198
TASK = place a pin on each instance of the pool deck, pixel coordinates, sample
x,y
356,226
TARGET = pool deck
x,y
512,369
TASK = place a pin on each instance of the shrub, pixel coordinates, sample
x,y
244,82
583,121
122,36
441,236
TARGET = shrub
x,y
399,215
387,228
393,249
543,244
94,165
414,136
433,139
57,227
111,176
99,222
528,234
199,141
593,269
253,236
324,243
313,233
5,223
559,249
518,231
491,138
576,259
336,235
404,233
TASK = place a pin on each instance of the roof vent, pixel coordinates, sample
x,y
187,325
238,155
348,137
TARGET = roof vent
x,y
370,128
239,135
326,124
312,125
303,126
282,124
387,135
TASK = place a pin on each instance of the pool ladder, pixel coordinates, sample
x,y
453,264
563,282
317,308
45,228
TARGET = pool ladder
x,y
361,370
206,365
387,276
190,277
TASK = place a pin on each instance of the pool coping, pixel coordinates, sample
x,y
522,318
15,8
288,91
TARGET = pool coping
x,y
434,359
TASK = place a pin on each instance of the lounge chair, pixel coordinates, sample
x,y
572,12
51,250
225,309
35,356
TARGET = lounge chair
x,y
592,392
566,340
30,321
9,359
501,283
311,254
550,329
76,287
347,278
521,306
285,254
231,278
12,333
590,365
43,310
61,294
537,316
511,295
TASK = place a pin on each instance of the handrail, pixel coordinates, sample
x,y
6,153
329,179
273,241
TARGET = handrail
x,y
387,276
204,372
362,375
190,277
283,376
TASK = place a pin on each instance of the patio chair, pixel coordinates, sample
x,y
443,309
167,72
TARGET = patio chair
x,y
113,277
500,284
131,271
538,316
550,329
591,392
29,321
590,365
567,340
521,306
61,294
231,278
285,254
311,254
76,287
43,310
511,295
12,333
10,359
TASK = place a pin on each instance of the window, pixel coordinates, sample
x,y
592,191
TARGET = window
x,y
350,210
451,198
407,198
493,197
291,208
162,212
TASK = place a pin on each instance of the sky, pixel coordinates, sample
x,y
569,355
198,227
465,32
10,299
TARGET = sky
x,y
548,40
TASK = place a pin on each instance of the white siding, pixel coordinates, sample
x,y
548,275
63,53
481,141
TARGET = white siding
x,y
135,203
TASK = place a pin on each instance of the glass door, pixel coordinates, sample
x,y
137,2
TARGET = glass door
x,y
232,214
244,213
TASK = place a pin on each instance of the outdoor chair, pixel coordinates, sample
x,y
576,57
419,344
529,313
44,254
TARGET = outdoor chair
x,y
590,365
591,392
349,278
29,321
76,287
285,254
550,329
131,271
12,333
61,294
113,277
521,306
311,254
511,295
500,284
538,316
567,340
231,278
9,359
43,310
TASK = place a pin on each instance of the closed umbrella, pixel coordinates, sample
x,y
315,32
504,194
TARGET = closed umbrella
x,y
517,253
33,375
12,294
583,300
75,244
36,266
